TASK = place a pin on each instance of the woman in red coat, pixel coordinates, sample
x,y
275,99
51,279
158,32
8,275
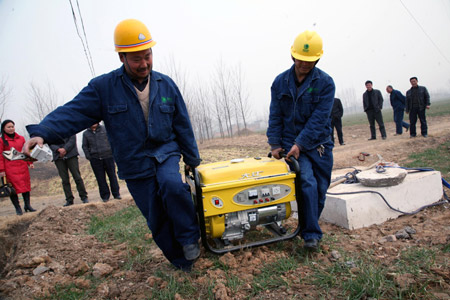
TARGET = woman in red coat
x,y
16,171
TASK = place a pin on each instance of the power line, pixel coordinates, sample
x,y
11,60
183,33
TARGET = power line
x,y
86,51
85,37
434,44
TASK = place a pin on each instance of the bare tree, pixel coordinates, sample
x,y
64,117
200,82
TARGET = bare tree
x,y
236,116
222,91
241,98
41,101
218,111
5,92
203,123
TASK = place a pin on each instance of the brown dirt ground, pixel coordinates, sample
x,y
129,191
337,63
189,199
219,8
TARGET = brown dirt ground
x,y
55,237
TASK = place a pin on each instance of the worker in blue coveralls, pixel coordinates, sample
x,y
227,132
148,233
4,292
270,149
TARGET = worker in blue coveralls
x,y
300,125
398,102
149,129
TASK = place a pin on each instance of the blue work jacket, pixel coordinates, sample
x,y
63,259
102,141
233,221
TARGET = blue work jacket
x,y
112,98
397,100
301,117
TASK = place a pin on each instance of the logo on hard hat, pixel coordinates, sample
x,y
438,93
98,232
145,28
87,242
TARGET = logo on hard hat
x,y
141,37
306,48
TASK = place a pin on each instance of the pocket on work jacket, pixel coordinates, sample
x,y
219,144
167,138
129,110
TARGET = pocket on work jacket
x,y
307,104
118,115
161,123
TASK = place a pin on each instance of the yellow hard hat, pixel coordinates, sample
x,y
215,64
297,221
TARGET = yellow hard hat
x,y
131,36
307,46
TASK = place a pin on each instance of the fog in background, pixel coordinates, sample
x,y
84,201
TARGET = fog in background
x,y
386,41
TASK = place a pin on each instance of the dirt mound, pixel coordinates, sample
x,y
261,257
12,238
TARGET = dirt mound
x,y
52,247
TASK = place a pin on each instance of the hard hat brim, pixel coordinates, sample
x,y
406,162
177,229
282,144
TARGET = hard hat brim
x,y
306,58
136,48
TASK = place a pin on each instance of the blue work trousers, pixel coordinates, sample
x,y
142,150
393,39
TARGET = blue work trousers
x,y
315,178
166,203
398,119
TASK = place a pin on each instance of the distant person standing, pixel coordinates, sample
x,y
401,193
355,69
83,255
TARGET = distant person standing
x,y
336,120
65,157
373,104
16,171
98,151
398,105
417,100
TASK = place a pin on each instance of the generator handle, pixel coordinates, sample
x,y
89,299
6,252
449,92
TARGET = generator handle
x,y
198,202
293,161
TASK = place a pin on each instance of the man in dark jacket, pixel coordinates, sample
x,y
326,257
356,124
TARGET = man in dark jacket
x,y
98,151
373,104
417,101
299,123
336,120
149,129
398,106
65,156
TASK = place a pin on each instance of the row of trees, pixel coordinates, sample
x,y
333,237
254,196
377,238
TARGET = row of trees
x,y
219,107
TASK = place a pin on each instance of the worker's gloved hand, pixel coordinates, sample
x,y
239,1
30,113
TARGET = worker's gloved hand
x,y
276,153
295,152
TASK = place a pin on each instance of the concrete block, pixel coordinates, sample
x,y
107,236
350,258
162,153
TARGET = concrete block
x,y
359,210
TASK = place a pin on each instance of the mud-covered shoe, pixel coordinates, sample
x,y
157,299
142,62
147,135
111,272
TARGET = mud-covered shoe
x,y
311,245
191,251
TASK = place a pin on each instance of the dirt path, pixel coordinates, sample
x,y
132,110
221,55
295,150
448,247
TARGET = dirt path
x,y
39,203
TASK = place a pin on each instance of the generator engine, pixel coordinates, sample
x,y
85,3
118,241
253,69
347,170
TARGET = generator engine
x,y
237,223
238,196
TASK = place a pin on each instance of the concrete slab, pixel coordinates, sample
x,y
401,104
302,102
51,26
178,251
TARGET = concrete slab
x,y
387,177
364,209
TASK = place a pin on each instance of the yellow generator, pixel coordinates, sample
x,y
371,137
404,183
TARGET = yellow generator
x,y
241,197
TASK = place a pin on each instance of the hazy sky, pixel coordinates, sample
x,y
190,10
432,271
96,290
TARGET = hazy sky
x,y
386,41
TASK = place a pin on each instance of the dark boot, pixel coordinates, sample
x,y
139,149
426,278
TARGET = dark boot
x,y
68,203
15,202
26,200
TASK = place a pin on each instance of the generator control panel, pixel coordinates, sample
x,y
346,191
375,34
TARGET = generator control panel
x,y
262,194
